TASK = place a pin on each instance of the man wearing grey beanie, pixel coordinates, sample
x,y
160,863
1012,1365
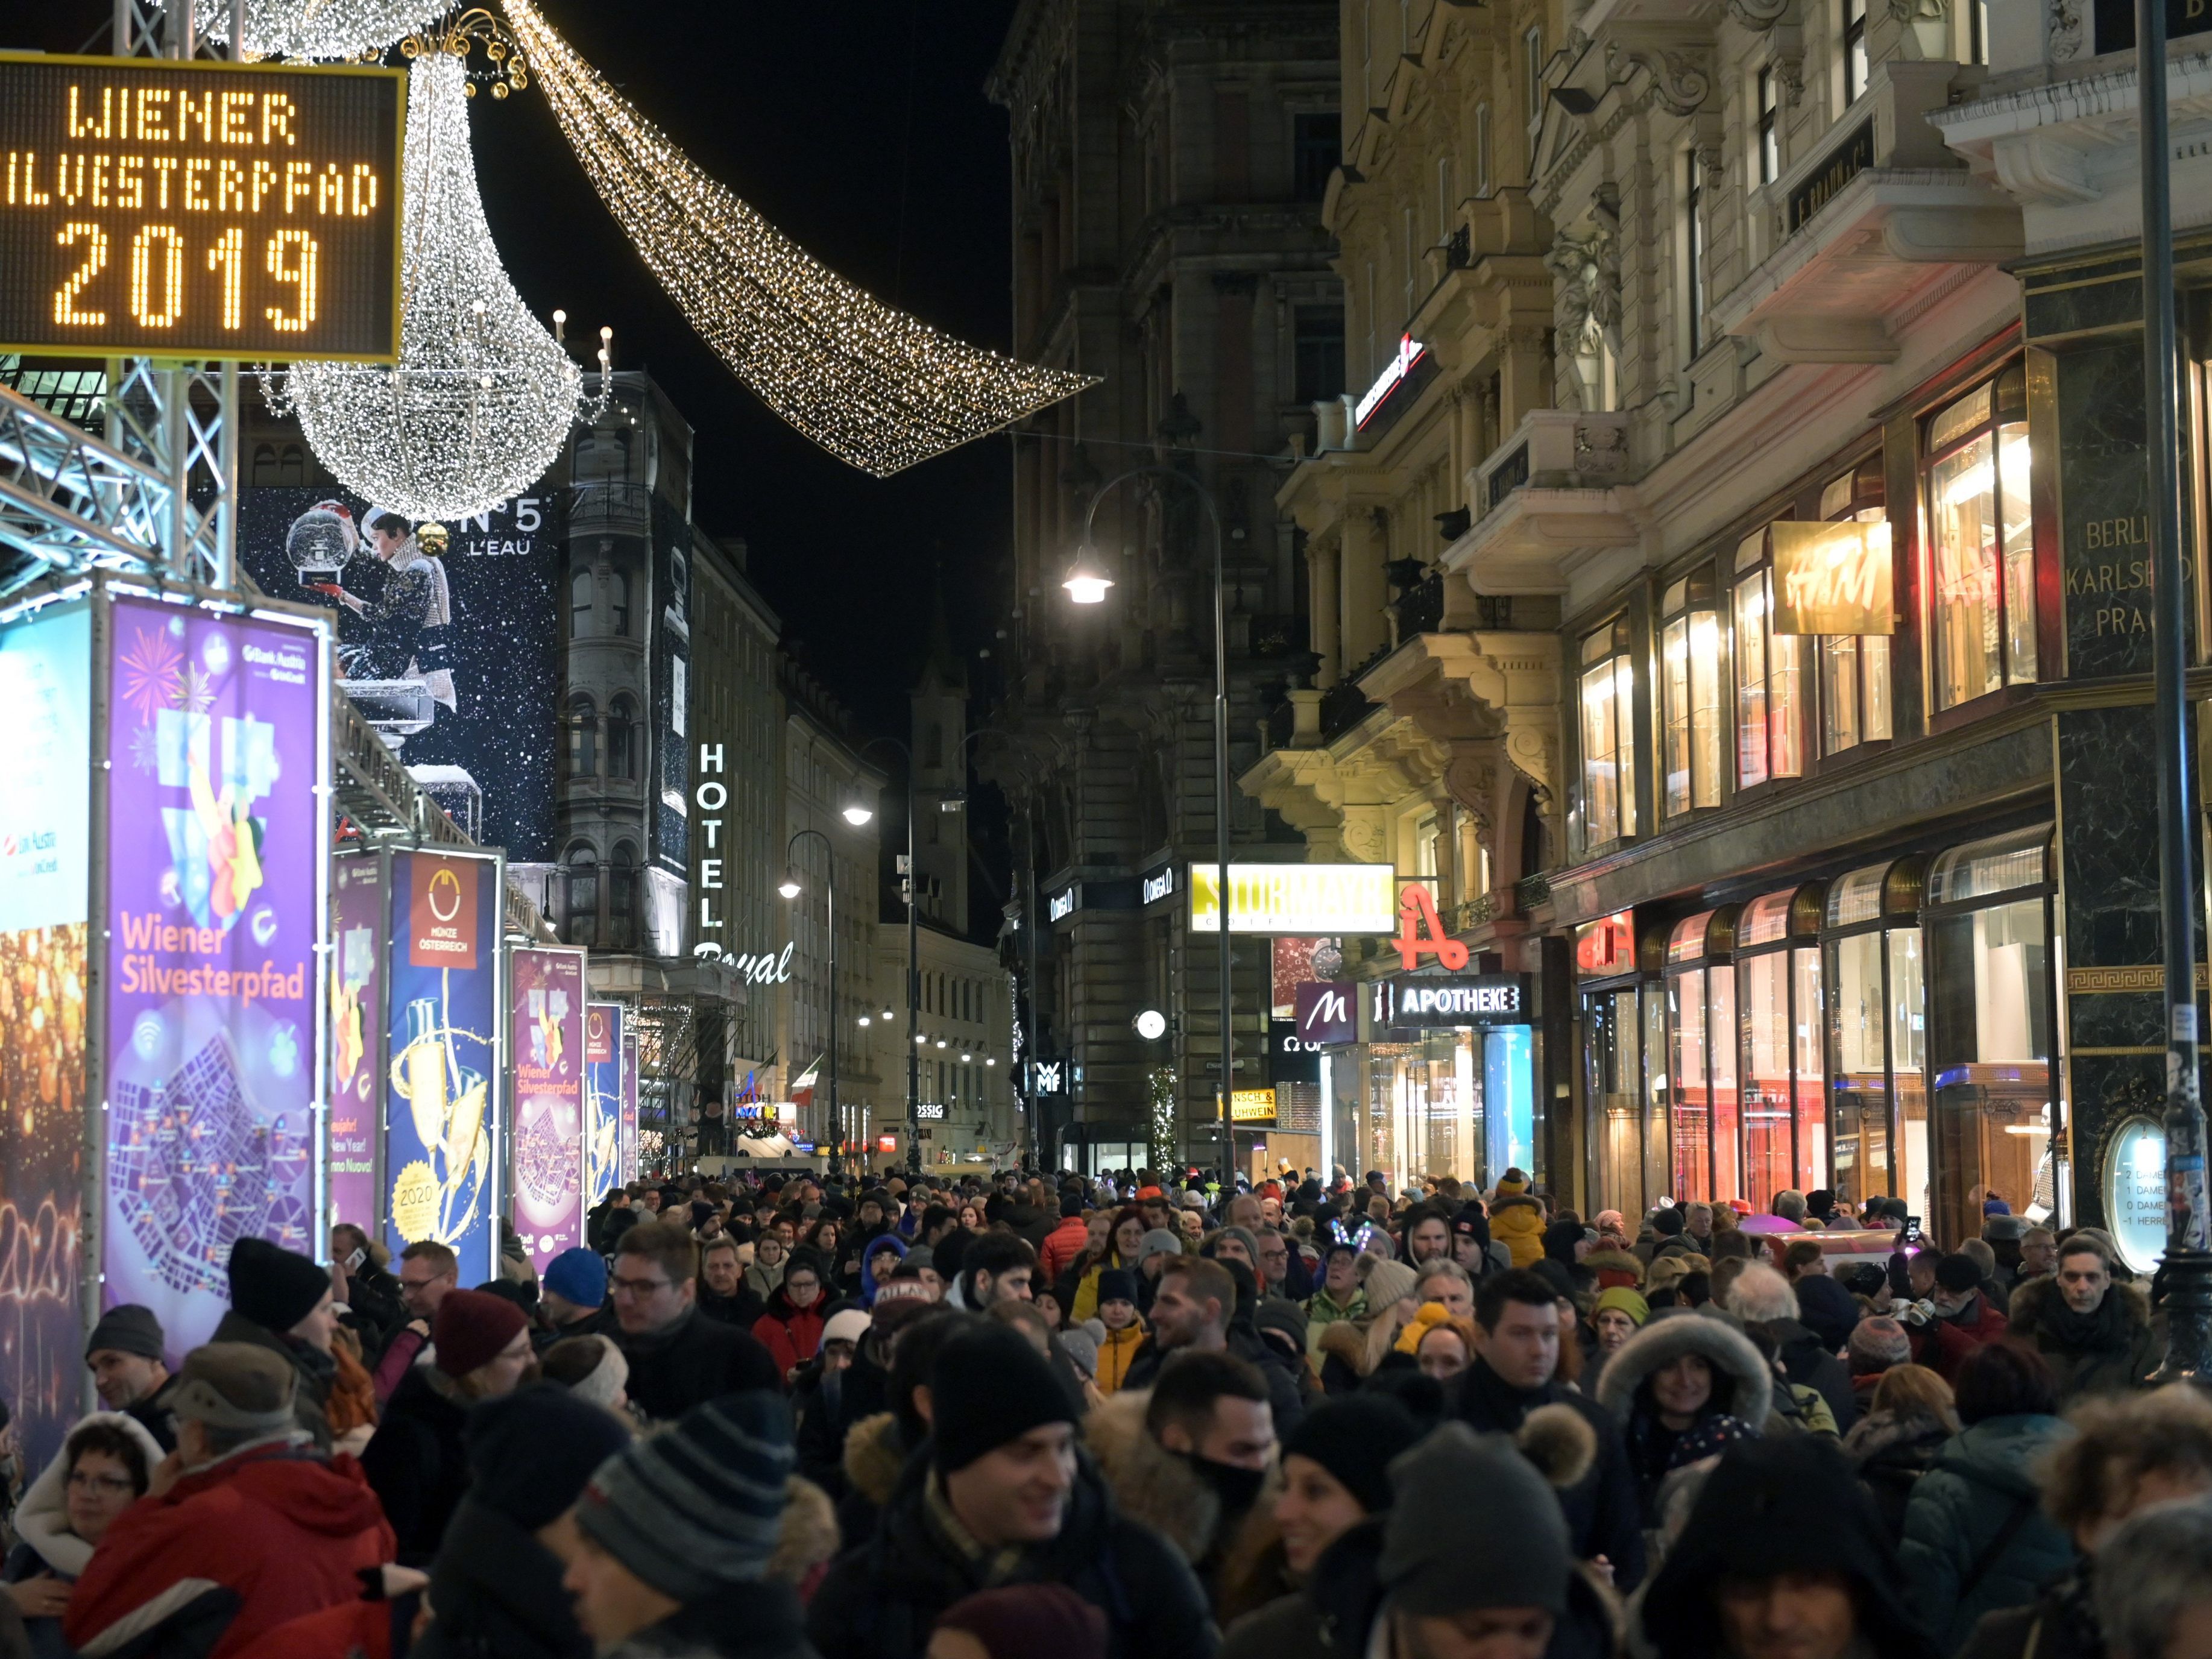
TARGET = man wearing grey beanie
x,y
672,1537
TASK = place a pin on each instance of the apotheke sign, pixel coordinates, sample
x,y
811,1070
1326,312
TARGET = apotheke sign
x,y
1415,1002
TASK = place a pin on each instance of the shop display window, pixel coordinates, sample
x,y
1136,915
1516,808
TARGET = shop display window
x,y
1690,692
1770,674
1608,735
1981,545
1877,1095
1613,1039
1854,686
1509,1078
1988,927
1702,1037
1784,1100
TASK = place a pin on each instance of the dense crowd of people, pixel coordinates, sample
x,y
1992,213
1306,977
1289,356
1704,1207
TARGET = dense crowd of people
x,y
1139,1417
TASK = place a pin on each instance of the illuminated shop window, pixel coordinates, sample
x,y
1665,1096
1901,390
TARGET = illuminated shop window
x,y
1855,692
1608,700
1690,692
1770,674
1981,627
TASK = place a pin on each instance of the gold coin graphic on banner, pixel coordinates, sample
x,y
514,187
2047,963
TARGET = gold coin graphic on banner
x,y
414,1197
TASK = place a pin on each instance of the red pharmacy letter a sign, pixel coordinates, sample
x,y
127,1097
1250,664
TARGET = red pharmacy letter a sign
x,y
1420,933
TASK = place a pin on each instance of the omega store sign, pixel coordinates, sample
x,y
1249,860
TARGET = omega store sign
x,y
1418,1002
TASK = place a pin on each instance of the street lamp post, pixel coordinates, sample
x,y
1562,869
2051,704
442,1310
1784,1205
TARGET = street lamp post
x,y
791,889
1086,584
913,952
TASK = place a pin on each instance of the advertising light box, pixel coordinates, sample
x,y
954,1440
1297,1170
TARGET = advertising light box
x,y
356,970
1420,1001
1295,898
602,1050
626,1138
45,755
199,210
218,771
443,1164
548,1047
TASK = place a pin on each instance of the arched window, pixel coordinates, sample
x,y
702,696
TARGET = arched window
x,y
622,895
621,596
622,737
579,605
264,464
292,466
580,875
583,737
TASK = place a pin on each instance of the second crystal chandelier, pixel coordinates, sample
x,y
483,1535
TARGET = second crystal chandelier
x,y
483,396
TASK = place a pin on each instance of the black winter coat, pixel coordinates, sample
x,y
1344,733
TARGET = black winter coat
x,y
496,1593
700,1359
864,1388
880,1601
742,1309
417,1466
1811,1362
1603,1512
1286,1400
745,1621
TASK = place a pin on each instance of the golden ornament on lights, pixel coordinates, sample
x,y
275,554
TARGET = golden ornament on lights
x,y
483,396
870,384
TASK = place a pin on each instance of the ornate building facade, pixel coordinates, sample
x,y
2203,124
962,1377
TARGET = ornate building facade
x,y
1169,161
1719,577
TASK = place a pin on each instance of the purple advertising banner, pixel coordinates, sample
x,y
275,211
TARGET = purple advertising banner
x,y
628,1136
548,1101
356,1036
215,834
602,1066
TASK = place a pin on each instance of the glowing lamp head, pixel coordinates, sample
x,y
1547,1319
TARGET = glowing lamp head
x,y
789,886
856,814
1087,581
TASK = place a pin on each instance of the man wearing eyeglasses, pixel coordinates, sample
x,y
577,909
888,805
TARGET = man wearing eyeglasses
x,y
678,1358
428,1272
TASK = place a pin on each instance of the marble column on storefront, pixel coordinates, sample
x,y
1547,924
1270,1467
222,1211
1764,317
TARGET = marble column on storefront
x,y
2086,423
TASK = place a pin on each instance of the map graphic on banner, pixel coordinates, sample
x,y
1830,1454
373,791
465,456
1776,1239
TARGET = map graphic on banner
x,y
442,1156
356,1035
448,641
214,838
45,687
549,1101
603,1046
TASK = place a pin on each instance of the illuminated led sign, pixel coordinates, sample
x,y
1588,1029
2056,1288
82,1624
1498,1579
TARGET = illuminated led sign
x,y
1297,898
199,210
1160,885
1060,904
1410,352
1415,1001
1252,1106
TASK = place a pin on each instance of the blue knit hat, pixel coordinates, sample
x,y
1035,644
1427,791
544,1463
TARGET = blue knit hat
x,y
577,1275
696,1507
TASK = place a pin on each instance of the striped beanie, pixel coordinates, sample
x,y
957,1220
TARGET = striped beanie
x,y
695,1507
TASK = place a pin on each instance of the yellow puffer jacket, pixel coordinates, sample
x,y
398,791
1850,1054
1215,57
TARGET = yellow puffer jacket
x,y
1516,1221
1117,1349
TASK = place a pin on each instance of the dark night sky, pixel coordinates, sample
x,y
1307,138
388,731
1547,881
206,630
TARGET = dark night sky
x,y
859,127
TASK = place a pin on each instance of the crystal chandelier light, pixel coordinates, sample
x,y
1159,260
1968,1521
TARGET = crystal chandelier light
x,y
871,384
482,396
316,28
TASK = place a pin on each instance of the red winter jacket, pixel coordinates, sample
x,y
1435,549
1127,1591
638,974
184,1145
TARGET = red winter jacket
x,y
1067,1242
791,1334
1946,1345
266,1536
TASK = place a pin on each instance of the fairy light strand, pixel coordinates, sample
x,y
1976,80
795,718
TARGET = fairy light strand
x,y
483,396
873,385
320,28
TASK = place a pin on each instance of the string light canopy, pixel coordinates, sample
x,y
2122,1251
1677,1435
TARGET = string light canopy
x,y
316,28
483,396
873,385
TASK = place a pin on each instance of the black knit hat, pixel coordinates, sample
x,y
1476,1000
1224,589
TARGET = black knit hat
x,y
989,1386
1958,1273
1354,1437
272,1286
127,1328
1116,1285
531,1452
1669,1221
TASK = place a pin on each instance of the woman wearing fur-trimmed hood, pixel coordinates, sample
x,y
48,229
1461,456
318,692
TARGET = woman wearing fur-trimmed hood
x,y
1680,1388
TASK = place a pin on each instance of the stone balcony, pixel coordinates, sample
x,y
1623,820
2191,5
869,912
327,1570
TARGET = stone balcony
x,y
1557,486
1878,223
